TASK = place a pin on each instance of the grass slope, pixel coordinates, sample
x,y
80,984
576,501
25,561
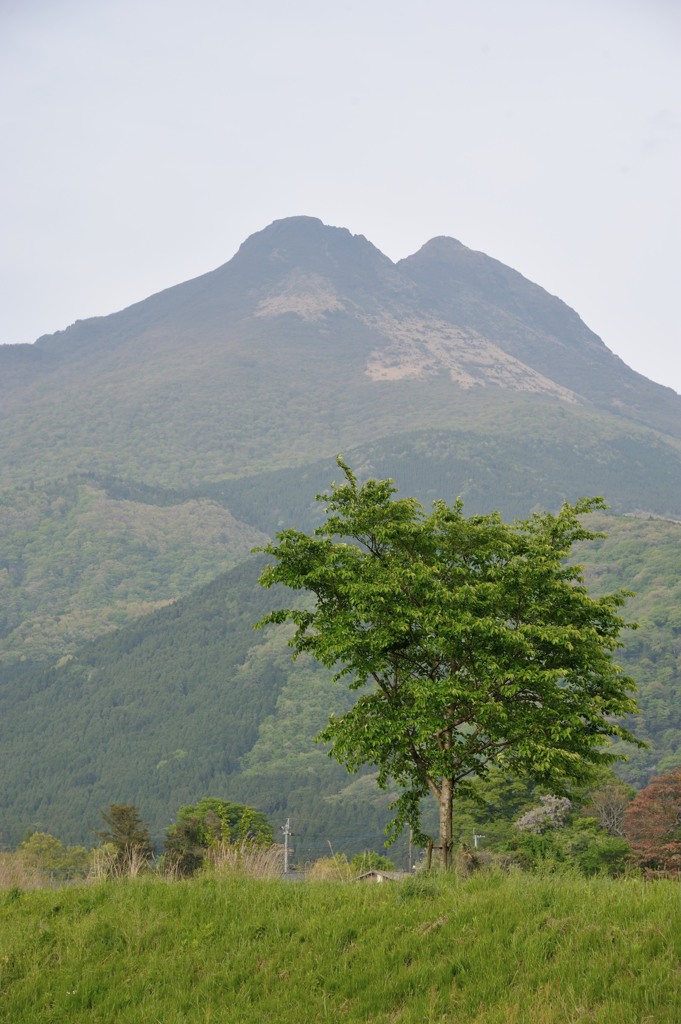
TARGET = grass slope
x,y
518,949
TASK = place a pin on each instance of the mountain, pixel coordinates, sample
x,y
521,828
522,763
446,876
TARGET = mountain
x,y
144,453
215,399
307,342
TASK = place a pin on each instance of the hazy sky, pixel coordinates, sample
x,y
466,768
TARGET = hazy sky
x,y
144,140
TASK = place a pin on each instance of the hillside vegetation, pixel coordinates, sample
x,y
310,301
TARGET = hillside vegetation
x,y
87,554
143,450
146,452
191,702
80,560
492,949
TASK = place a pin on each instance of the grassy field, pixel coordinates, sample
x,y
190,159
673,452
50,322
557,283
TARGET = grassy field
x,y
517,949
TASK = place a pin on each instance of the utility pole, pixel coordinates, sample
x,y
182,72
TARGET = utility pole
x,y
286,829
476,836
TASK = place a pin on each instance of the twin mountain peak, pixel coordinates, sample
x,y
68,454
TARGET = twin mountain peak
x,y
302,301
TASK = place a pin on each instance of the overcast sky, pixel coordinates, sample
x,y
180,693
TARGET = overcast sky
x,y
144,140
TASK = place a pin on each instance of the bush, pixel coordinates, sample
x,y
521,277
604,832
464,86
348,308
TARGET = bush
x,y
331,869
58,862
210,825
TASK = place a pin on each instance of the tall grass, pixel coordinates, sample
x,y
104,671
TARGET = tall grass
x,y
108,863
245,858
16,873
491,949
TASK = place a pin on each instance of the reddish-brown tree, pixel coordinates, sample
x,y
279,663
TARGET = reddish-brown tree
x,y
652,823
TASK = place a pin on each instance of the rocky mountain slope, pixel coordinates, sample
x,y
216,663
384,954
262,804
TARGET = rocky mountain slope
x,y
307,342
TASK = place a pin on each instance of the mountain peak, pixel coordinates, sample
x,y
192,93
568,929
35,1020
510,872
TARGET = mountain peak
x,y
307,245
294,238
445,313
441,245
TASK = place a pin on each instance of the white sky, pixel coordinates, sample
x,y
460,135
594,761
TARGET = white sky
x,y
144,140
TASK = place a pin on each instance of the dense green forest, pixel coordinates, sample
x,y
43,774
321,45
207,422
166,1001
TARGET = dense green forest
x,y
79,559
191,702
88,554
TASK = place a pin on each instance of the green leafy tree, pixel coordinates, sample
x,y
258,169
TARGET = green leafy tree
x,y
207,824
545,836
513,820
491,808
49,855
473,641
128,836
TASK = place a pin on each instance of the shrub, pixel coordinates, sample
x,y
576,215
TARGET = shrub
x,y
211,824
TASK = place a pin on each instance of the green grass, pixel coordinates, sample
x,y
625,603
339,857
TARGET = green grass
x,y
516,949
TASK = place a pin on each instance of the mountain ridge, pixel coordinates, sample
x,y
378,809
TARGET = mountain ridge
x,y
142,452
301,301
302,242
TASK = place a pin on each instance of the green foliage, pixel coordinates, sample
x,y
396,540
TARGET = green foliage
x,y
208,824
190,701
581,844
76,562
99,548
495,949
646,556
127,834
154,715
51,858
369,860
473,641
586,836
490,806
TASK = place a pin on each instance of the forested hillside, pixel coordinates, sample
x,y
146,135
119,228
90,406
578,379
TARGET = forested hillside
x,y
192,702
187,703
82,557
88,554
146,452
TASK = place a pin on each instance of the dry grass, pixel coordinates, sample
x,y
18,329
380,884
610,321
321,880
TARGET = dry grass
x,y
15,873
246,859
107,863
331,869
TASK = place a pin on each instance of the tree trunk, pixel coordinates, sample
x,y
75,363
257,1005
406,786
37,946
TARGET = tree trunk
x,y
446,807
